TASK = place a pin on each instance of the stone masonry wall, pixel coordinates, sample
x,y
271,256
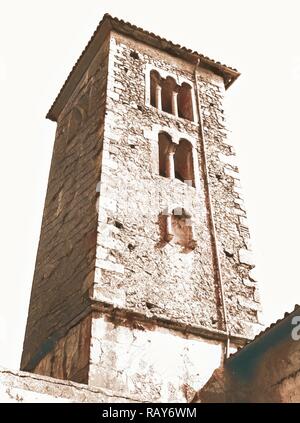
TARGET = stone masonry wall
x,y
237,265
135,268
66,254
70,357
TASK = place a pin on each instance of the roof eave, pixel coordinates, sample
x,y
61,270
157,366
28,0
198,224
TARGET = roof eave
x,y
109,23
229,74
265,333
100,34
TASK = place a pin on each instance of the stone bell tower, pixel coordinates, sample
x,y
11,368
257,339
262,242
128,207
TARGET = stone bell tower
x,y
144,277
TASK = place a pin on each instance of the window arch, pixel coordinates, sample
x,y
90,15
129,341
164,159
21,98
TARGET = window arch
x,y
185,104
176,160
168,96
183,162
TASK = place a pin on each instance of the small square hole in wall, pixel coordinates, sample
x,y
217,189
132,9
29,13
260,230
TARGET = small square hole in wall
x,y
134,55
118,224
132,141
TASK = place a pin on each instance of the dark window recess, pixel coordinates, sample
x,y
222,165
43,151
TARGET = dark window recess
x,y
184,102
168,87
134,55
164,145
183,162
166,95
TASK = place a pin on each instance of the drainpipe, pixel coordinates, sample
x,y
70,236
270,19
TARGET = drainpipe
x,y
211,214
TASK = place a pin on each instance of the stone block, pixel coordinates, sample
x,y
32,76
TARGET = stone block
x,y
108,265
246,257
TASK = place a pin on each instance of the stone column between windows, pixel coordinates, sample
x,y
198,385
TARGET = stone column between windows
x,y
170,168
158,96
174,103
169,227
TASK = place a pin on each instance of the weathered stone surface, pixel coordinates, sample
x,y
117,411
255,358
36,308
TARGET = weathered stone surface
x,y
155,272
253,274
231,173
228,159
23,387
248,303
246,257
249,283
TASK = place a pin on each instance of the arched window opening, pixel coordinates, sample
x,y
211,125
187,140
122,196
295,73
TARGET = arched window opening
x,y
179,228
185,104
183,163
171,98
166,153
168,88
155,89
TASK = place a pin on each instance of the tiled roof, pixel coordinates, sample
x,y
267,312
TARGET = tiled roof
x,y
164,40
266,330
106,24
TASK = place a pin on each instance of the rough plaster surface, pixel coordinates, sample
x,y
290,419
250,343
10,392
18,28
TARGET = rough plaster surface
x,y
149,362
131,358
23,387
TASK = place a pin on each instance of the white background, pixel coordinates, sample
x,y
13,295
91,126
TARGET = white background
x,y
40,40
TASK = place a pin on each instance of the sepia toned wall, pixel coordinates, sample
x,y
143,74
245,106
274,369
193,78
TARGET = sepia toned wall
x,y
135,267
150,362
65,263
24,387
